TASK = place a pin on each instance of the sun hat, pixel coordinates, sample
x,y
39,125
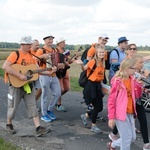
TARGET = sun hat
x,y
48,36
60,39
26,40
122,39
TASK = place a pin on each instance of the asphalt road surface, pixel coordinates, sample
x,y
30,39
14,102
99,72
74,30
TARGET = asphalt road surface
x,y
68,131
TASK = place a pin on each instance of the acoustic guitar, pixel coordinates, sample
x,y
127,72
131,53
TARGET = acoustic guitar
x,y
30,71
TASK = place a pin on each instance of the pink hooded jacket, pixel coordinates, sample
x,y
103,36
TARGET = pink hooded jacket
x,y
117,100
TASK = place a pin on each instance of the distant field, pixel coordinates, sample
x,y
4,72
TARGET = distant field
x,y
74,71
144,53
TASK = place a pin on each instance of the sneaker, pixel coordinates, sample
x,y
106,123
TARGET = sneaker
x,y
109,146
46,118
146,146
90,107
10,129
61,108
137,130
84,119
42,131
51,115
112,136
100,119
96,129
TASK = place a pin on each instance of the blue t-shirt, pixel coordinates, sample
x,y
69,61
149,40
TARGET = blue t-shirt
x,y
114,55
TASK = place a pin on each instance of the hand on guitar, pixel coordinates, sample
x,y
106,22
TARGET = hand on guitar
x,y
22,77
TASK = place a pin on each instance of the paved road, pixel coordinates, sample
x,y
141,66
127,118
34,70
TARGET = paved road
x,y
68,132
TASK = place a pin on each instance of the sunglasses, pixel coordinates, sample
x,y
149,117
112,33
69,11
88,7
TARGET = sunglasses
x,y
132,49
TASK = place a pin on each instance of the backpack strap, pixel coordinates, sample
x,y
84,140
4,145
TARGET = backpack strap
x,y
17,53
94,67
44,50
116,52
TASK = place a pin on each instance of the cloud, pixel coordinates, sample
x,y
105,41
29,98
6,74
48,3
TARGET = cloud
x,y
80,22
73,3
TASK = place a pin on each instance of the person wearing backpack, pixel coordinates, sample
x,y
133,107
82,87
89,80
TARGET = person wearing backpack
x,y
116,59
89,54
92,92
102,40
26,91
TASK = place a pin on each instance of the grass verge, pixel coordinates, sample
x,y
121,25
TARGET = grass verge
x,y
7,146
1,72
74,84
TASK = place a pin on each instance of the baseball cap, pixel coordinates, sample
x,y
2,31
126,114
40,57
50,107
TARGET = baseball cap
x,y
60,39
48,36
104,36
26,40
122,39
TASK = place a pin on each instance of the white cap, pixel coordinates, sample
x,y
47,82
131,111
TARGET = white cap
x,y
104,36
26,40
60,39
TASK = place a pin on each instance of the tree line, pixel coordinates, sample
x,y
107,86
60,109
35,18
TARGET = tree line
x,y
8,45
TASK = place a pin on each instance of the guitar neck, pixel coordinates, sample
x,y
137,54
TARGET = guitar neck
x,y
71,57
80,48
40,70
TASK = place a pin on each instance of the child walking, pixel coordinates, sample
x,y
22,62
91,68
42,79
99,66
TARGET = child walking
x,y
92,92
121,104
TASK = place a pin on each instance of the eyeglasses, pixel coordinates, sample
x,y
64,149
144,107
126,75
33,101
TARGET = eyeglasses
x,y
132,49
104,40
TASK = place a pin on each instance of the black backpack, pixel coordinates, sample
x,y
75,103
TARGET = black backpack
x,y
107,63
18,54
84,54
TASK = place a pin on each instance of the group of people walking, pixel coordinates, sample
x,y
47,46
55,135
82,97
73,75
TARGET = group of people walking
x,y
123,101
30,53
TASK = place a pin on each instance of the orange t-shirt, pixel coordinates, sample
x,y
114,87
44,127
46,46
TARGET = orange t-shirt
x,y
24,58
98,74
32,51
40,52
92,51
130,108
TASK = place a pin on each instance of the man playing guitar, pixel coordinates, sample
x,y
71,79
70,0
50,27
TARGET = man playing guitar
x,y
25,92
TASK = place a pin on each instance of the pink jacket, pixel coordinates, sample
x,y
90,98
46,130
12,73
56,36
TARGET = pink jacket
x,y
117,100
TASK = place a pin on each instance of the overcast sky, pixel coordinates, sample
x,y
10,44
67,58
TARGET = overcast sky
x,y
79,21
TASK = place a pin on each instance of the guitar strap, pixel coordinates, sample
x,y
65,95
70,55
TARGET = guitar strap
x,y
42,60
